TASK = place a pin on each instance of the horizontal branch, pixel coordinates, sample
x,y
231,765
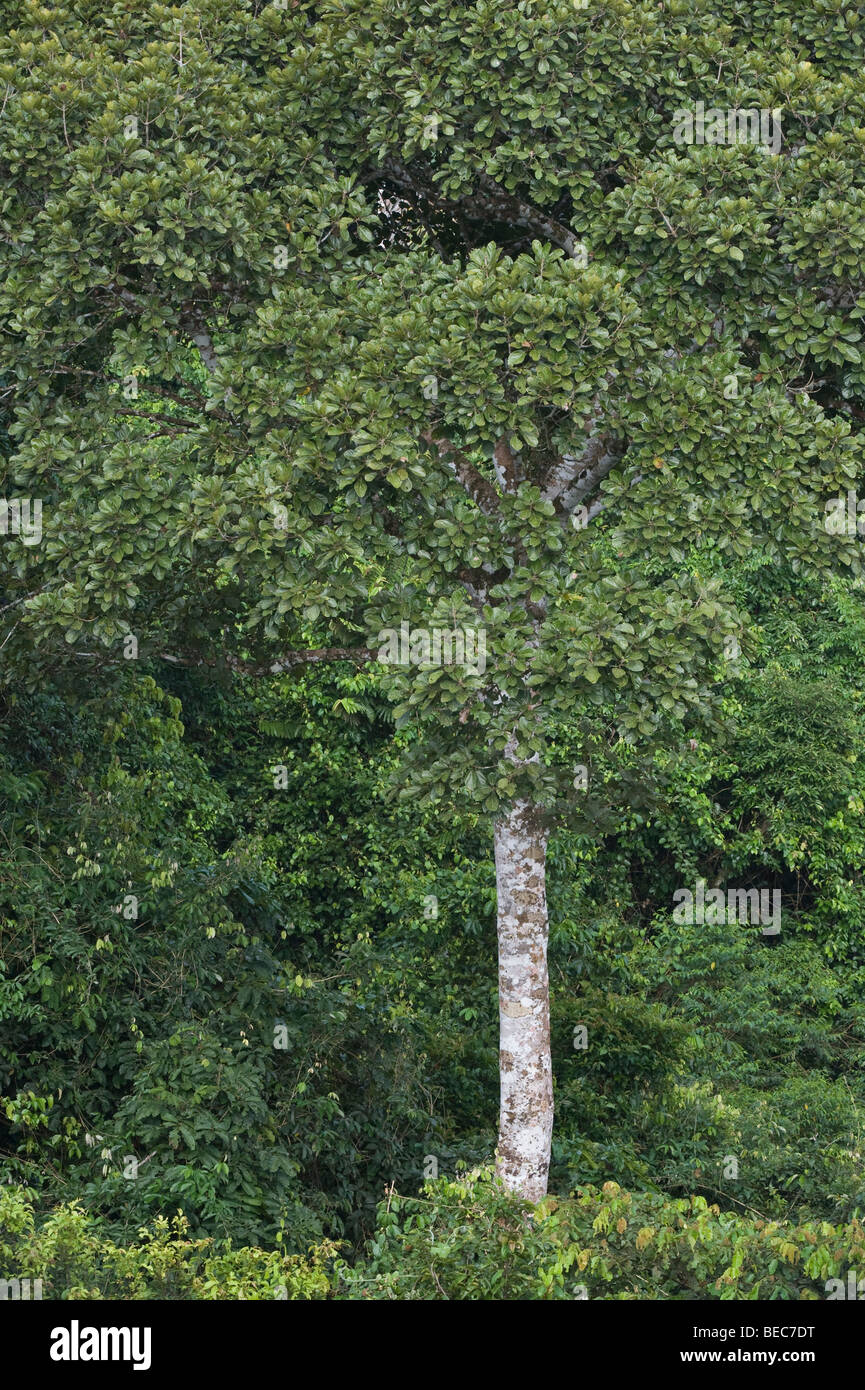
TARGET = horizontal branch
x,y
288,661
487,202
849,406
174,420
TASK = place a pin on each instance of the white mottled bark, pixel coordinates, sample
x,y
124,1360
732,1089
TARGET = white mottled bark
x,y
526,1114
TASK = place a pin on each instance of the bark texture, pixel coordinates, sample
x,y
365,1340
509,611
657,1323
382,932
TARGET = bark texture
x,y
526,1114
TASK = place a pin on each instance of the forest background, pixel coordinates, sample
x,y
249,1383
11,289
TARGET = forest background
x,y
248,997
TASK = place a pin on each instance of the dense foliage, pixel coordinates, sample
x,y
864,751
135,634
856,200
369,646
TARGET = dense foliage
x,y
306,908
465,1239
258,264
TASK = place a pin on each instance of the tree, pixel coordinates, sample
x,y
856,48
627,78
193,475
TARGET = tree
x,y
446,346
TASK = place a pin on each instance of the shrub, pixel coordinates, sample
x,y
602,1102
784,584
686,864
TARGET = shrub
x,y
472,1240
75,1260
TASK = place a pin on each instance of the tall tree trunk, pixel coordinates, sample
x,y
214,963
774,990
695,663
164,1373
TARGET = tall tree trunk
x,y
526,1114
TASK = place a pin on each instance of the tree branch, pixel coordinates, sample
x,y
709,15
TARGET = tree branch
x,y
160,419
488,202
482,492
287,662
494,201
505,465
573,477
194,326
192,323
571,480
